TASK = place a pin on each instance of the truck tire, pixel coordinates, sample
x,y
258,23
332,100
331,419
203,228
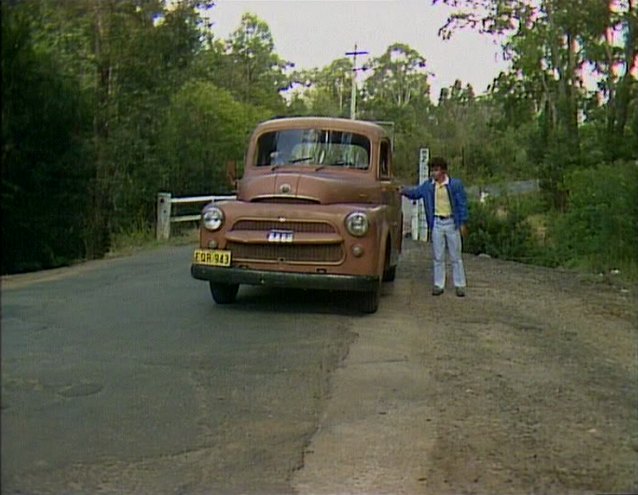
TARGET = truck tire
x,y
224,293
390,274
369,300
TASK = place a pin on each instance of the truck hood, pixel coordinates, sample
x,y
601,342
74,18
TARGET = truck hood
x,y
312,186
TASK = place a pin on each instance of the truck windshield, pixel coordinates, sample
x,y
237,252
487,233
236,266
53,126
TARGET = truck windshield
x,y
313,146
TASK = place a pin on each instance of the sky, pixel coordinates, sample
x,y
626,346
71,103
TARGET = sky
x,y
313,33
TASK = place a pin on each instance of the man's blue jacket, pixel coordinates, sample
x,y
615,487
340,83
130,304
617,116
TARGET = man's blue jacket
x,y
458,200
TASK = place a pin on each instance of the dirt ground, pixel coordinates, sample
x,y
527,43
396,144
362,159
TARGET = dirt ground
x,y
527,385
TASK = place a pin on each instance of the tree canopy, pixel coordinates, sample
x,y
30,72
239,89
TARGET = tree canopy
x,y
106,103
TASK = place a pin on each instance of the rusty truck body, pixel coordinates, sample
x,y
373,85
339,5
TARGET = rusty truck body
x,y
317,208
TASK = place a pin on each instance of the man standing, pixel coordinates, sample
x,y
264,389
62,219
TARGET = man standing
x,y
446,211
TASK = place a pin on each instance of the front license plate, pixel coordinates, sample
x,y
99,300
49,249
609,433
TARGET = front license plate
x,y
212,257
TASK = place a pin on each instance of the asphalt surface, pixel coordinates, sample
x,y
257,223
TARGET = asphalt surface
x,y
123,376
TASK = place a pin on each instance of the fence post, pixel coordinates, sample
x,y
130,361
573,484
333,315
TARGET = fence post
x,y
417,219
163,226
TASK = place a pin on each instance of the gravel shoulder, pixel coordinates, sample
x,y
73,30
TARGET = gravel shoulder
x,y
527,385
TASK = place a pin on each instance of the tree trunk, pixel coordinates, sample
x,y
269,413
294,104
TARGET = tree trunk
x,y
619,96
630,62
99,229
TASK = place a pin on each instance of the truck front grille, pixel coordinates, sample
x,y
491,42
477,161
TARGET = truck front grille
x,y
294,226
300,253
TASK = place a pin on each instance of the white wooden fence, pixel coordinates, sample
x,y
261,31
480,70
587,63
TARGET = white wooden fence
x,y
166,213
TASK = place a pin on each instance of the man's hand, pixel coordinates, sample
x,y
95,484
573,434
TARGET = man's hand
x,y
464,230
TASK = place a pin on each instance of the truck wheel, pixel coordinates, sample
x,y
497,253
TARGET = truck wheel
x,y
390,274
224,293
370,300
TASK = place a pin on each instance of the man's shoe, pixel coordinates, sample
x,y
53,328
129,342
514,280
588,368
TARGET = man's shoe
x,y
437,291
460,291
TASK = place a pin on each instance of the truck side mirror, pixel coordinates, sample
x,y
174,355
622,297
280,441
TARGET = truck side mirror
x,y
231,173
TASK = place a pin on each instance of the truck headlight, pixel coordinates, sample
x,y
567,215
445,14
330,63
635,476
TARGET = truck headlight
x,y
213,218
357,223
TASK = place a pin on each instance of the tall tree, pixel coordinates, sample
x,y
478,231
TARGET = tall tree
x,y
397,90
45,125
612,50
550,44
255,73
540,39
399,78
129,56
325,91
204,129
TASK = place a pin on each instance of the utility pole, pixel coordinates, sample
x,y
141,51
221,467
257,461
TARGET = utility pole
x,y
353,98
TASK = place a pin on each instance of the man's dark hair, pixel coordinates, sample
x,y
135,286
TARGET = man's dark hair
x,y
438,161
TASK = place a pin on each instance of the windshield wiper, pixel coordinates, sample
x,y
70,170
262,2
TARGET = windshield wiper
x,y
343,163
302,159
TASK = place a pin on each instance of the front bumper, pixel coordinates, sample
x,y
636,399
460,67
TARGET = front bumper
x,y
265,278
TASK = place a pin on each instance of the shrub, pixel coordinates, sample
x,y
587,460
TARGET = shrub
x,y
499,228
599,230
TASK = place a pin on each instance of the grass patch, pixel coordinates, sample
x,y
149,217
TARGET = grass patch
x,y
125,243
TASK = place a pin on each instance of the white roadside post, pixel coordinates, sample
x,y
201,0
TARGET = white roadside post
x,y
419,225
416,207
163,225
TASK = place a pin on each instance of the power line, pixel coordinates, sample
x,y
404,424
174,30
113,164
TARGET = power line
x,y
353,99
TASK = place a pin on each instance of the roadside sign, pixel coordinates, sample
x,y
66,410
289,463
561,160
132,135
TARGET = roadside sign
x,y
424,159
419,224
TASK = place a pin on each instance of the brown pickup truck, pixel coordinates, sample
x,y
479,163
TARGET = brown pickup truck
x,y
316,208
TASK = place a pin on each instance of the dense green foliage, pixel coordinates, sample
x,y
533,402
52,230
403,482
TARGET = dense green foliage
x,y
500,229
106,103
44,156
204,128
599,231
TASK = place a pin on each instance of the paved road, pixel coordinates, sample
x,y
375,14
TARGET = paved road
x,y
529,385
122,376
